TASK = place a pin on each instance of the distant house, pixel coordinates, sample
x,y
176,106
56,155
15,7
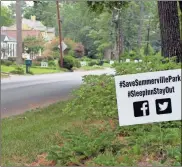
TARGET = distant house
x,y
48,33
25,33
8,46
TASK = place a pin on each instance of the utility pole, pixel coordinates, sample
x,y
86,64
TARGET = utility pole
x,y
60,35
19,32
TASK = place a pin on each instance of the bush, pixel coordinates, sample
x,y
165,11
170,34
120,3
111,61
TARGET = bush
x,y
93,62
69,62
7,62
12,59
36,63
149,64
51,63
39,59
79,50
18,70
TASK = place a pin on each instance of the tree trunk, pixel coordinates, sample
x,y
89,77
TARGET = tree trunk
x,y
19,59
170,29
180,5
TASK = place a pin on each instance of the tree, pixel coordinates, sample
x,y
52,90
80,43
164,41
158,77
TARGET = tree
x,y
6,16
100,6
44,11
170,29
12,7
32,45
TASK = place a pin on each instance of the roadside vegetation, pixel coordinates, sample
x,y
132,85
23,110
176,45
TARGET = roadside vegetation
x,y
85,130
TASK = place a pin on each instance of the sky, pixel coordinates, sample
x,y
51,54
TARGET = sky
x,y
6,3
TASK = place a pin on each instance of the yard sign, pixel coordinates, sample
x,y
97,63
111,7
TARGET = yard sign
x,y
149,97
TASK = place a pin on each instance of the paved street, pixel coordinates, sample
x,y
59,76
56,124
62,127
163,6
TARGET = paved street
x,y
22,93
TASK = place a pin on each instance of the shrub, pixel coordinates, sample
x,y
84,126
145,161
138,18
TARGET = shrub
x,y
51,63
39,59
36,63
7,62
79,50
84,58
93,62
12,59
68,62
18,70
77,63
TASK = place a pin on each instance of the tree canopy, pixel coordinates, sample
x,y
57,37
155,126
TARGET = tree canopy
x,y
6,16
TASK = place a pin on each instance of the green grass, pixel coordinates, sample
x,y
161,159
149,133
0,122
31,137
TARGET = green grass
x,y
91,141
35,70
88,68
26,136
7,68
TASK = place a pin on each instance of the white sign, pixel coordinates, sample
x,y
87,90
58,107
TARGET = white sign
x,y
64,46
111,62
83,63
44,64
136,61
149,97
127,60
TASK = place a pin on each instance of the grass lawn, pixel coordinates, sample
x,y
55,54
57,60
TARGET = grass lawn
x,y
27,139
26,136
7,68
34,70
88,68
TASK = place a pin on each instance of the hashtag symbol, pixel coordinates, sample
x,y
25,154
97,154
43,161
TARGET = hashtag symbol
x,y
120,84
129,93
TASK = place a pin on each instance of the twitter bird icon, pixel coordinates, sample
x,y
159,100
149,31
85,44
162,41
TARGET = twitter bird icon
x,y
163,106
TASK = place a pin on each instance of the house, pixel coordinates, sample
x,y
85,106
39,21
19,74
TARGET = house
x,y
8,46
48,33
11,34
25,33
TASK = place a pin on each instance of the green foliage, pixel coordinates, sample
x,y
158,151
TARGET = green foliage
x,y
18,70
6,62
95,97
44,12
6,16
109,5
93,62
33,44
69,62
149,64
51,63
12,59
80,146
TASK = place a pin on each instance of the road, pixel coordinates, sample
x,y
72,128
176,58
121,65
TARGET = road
x,y
23,93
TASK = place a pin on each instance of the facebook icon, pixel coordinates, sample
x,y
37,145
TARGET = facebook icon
x,y
141,108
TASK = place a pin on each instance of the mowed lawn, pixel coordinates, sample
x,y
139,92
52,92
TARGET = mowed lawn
x,y
28,135
32,69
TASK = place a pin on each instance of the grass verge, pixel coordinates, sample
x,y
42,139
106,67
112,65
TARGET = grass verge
x,y
26,136
35,70
72,140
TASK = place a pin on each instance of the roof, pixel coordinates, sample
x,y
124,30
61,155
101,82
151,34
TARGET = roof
x,y
25,33
37,25
50,29
3,37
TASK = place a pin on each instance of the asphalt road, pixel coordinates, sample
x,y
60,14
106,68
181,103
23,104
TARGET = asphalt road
x,y
23,93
